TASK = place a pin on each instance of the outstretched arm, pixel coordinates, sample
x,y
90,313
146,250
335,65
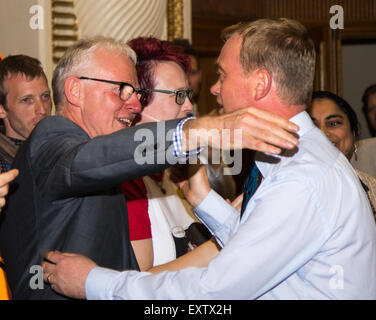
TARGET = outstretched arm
x,y
200,258
260,130
67,273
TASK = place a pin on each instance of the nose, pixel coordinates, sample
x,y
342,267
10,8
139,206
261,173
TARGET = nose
x,y
187,107
133,104
42,108
214,90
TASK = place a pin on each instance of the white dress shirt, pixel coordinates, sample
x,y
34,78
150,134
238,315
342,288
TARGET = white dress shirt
x,y
307,233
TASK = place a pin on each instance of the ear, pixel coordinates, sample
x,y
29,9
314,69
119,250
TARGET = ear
x,y
263,83
72,90
3,112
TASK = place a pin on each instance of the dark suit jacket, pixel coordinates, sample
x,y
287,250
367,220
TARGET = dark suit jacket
x,y
67,198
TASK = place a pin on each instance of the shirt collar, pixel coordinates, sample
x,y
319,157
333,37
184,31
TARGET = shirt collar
x,y
17,142
264,161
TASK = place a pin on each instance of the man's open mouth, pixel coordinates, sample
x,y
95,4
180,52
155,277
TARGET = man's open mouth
x,y
125,121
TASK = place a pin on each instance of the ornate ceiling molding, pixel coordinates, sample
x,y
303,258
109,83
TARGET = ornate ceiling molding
x,y
119,19
175,19
64,27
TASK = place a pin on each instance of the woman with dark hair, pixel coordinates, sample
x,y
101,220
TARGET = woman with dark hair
x,y
335,117
162,225
365,157
369,108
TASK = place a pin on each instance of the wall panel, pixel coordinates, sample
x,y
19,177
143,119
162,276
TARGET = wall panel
x,y
211,16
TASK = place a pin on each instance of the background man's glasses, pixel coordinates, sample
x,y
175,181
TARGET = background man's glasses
x,y
180,95
125,89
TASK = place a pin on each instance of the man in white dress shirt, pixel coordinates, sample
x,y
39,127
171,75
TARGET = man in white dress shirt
x,y
307,232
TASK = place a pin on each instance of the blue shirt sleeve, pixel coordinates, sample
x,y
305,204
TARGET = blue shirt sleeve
x,y
178,141
218,216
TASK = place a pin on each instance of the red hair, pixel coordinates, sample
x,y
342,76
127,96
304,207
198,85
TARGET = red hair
x,y
150,50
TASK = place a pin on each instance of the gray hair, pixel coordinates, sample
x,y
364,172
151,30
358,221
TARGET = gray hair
x,y
79,56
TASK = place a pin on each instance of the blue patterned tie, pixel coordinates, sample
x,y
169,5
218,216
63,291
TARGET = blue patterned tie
x,y
250,187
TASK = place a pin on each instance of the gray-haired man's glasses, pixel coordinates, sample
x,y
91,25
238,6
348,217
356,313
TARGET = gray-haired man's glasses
x,y
125,89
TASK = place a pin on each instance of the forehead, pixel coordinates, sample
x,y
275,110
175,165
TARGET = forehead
x,y
21,84
322,108
230,53
372,99
113,66
169,72
194,63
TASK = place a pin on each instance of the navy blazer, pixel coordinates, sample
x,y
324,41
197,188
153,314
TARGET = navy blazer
x,y
67,197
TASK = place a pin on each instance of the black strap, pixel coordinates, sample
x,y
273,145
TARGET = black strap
x,y
2,266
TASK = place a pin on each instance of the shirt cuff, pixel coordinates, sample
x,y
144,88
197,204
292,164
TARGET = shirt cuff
x,y
178,141
218,216
97,282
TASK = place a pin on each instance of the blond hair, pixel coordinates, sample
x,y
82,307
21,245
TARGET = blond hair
x,y
79,56
284,49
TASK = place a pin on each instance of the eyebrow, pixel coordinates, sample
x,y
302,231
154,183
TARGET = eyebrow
x,y
26,96
31,94
332,116
178,89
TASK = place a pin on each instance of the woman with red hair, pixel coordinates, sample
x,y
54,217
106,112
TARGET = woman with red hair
x,y
162,225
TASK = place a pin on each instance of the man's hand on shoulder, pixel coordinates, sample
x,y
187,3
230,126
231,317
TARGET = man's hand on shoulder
x,y
67,273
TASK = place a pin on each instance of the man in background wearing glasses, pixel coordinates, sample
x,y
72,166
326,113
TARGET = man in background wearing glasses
x,y
67,196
